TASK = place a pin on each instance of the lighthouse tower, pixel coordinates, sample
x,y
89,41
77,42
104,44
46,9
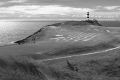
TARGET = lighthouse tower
x,y
88,15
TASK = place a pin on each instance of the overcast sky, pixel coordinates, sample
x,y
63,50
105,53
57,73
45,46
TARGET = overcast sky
x,y
57,9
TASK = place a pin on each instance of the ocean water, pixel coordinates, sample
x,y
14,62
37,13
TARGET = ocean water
x,y
11,31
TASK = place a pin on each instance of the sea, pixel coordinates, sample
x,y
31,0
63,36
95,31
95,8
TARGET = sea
x,y
11,31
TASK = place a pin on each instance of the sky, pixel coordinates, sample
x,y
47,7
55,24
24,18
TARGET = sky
x,y
59,9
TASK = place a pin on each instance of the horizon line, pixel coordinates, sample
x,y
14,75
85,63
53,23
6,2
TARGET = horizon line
x,y
55,19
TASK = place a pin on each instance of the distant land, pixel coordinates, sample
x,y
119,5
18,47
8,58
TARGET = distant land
x,y
55,19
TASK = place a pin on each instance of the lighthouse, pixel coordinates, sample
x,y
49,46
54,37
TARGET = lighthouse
x,y
88,15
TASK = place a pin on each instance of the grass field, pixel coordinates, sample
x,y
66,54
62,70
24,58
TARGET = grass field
x,y
24,61
104,66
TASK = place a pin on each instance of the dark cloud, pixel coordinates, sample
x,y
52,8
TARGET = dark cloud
x,y
78,3
3,0
107,8
72,3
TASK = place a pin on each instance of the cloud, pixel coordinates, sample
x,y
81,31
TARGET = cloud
x,y
17,1
111,7
45,9
51,11
107,14
107,8
2,3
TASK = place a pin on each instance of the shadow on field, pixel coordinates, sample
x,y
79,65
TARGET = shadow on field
x,y
19,69
74,50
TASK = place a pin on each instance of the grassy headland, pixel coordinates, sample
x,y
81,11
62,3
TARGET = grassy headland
x,y
102,66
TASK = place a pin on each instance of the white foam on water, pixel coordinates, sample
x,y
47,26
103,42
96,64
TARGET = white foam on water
x,y
7,43
58,35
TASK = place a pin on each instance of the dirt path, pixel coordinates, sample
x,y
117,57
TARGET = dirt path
x,y
81,54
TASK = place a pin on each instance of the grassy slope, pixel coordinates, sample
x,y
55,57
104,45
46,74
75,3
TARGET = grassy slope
x,y
71,50
20,68
41,33
104,66
55,49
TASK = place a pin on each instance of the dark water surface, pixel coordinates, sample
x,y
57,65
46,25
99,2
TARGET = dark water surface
x,y
15,30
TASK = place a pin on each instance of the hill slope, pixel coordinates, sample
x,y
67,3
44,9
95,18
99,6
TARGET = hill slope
x,y
70,31
69,38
